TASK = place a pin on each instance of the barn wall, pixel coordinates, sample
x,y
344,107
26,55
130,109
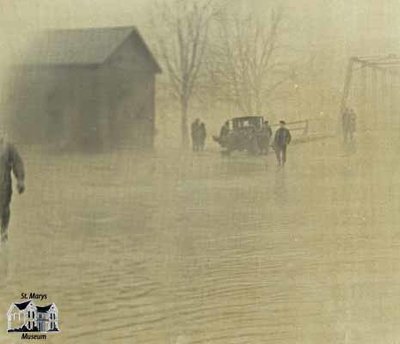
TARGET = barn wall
x,y
131,110
130,93
91,107
28,113
55,106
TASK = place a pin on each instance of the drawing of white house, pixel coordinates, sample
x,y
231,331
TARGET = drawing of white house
x,y
27,317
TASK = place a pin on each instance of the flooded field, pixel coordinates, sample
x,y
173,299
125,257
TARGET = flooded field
x,y
176,249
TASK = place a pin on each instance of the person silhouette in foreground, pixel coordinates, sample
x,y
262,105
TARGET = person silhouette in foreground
x,y
10,161
281,140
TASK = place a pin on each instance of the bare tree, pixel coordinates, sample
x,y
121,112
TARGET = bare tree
x,y
246,65
181,43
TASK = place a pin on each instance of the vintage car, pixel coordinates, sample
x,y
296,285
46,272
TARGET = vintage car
x,y
244,134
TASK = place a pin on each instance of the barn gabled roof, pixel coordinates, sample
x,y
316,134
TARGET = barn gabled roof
x,y
87,46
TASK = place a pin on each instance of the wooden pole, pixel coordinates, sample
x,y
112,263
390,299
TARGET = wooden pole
x,y
347,84
346,91
364,108
375,96
383,92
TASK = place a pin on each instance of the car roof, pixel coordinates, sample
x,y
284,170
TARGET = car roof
x,y
246,118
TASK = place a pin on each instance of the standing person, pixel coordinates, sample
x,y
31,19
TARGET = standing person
x,y
281,140
346,124
223,135
195,134
268,128
202,135
265,137
10,161
224,131
352,124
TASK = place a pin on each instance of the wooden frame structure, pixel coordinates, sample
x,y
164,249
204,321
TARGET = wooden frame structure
x,y
387,67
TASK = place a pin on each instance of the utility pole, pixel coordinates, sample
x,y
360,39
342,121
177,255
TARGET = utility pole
x,y
347,83
346,90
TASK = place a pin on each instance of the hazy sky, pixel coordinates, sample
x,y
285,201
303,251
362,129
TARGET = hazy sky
x,y
341,21
340,27
348,24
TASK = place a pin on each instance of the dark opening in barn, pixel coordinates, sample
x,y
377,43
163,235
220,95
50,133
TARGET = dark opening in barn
x,y
86,88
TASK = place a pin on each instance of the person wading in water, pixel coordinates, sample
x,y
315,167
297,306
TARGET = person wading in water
x,y
10,161
281,140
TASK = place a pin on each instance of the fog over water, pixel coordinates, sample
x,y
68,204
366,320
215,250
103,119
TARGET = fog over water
x,y
207,249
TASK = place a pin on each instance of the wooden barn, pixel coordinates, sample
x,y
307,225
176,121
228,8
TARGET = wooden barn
x,y
85,88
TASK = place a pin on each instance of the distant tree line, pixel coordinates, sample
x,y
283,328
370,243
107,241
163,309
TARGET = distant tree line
x,y
206,49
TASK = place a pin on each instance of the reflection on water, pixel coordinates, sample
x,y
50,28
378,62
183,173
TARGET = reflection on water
x,y
350,147
280,191
174,248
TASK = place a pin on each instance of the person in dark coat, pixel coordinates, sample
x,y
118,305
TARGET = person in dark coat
x,y
349,119
345,123
202,135
281,140
10,161
265,138
268,128
195,135
352,124
224,131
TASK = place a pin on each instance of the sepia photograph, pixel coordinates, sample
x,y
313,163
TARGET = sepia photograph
x,y
199,171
